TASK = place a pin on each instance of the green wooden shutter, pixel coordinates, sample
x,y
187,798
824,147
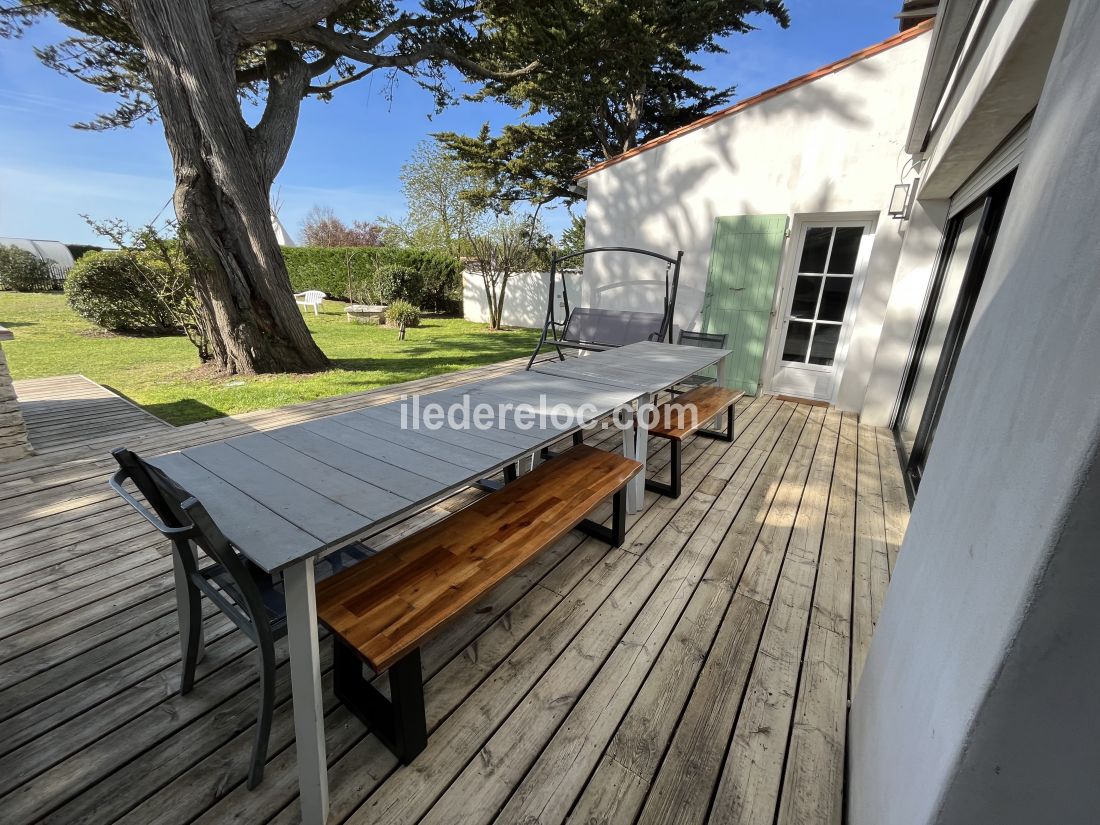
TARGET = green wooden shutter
x,y
744,265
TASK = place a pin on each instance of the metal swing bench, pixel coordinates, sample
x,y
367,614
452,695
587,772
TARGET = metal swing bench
x,y
594,329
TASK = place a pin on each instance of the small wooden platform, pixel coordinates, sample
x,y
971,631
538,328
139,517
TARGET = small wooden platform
x,y
701,671
67,410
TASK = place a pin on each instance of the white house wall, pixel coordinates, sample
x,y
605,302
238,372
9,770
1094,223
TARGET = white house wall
x,y
977,703
834,145
998,85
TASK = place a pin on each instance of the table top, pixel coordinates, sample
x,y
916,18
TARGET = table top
x,y
646,366
287,494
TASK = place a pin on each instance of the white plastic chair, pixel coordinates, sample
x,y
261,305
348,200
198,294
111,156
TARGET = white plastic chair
x,y
309,298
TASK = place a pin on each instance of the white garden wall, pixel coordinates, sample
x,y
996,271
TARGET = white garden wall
x,y
524,298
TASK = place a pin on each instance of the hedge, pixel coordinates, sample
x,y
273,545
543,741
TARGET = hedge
x,y
108,289
435,279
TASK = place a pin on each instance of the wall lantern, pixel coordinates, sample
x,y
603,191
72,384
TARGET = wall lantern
x,y
901,201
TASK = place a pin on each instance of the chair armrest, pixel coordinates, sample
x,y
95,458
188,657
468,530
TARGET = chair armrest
x,y
170,532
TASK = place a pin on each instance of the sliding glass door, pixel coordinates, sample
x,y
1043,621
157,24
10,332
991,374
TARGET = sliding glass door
x,y
968,244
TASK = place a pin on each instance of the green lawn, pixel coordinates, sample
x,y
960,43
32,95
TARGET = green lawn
x,y
161,373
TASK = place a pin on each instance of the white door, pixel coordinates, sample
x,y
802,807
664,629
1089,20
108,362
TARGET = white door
x,y
817,307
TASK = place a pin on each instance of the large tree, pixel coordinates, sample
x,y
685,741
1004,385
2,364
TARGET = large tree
x,y
615,73
199,66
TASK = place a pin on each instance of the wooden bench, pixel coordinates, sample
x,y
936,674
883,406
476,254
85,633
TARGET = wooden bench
x,y
675,422
381,610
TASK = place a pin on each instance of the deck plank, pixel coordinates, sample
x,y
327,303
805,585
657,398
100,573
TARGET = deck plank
x,y
68,410
814,774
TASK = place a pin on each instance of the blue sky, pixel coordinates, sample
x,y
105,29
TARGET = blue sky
x,y
347,154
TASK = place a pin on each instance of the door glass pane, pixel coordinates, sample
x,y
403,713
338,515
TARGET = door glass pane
x,y
824,346
815,249
834,300
845,252
806,288
798,337
953,275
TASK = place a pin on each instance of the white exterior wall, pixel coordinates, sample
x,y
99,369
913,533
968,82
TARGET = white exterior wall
x,y
834,145
997,86
978,699
524,298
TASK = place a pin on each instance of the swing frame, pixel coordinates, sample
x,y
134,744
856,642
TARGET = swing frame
x,y
553,330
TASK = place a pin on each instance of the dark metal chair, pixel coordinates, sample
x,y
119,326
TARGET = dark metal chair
x,y
252,599
712,340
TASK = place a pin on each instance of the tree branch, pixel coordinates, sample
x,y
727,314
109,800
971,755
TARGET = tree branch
x,y
360,49
329,88
288,77
254,21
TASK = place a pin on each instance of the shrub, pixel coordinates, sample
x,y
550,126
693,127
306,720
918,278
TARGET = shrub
x,y
402,312
23,271
426,278
112,291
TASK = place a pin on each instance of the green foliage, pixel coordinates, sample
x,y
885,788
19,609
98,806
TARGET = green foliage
x,y
23,271
377,274
572,238
402,313
447,202
112,291
614,74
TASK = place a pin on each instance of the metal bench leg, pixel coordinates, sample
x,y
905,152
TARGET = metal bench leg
x,y
719,434
511,473
672,489
578,439
614,535
398,721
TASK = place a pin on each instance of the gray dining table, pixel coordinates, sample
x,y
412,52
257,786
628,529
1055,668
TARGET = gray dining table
x,y
645,368
288,496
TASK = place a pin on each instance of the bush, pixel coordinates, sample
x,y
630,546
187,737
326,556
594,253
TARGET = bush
x,y
402,312
112,291
24,271
425,278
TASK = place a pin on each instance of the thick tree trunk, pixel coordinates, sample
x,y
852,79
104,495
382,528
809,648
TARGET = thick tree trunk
x,y
224,170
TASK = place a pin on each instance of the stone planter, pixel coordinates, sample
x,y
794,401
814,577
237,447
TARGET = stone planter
x,y
13,434
366,313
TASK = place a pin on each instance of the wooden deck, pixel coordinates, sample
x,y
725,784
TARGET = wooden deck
x,y
699,673
69,410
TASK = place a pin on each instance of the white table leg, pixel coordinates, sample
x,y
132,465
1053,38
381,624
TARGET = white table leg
x,y
305,683
637,448
183,604
723,381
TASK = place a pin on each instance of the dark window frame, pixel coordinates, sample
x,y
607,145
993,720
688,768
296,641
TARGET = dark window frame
x,y
992,205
